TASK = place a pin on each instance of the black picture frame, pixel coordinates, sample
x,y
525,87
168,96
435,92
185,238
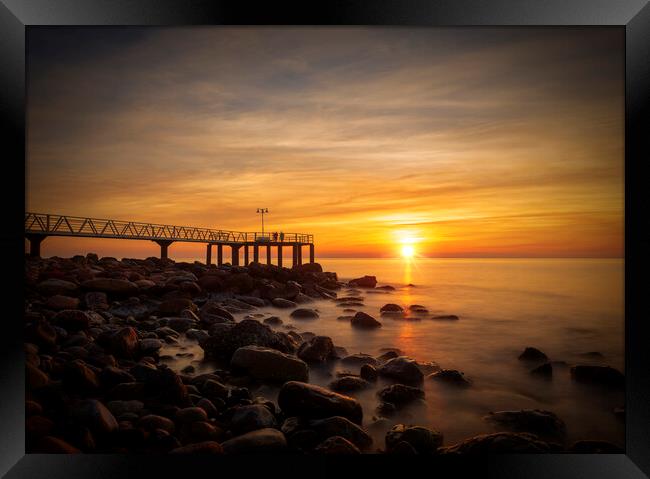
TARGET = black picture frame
x,y
632,15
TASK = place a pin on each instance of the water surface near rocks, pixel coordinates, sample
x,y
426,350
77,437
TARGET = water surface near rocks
x,y
565,307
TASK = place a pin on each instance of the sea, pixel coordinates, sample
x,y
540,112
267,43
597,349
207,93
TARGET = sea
x,y
567,308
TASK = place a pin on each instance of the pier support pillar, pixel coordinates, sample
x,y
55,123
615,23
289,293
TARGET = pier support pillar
x,y
294,250
299,254
280,256
164,246
256,254
268,254
208,255
219,255
235,254
311,253
35,244
245,255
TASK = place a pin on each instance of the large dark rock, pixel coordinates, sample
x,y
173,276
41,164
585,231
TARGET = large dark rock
x,y
423,440
400,394
269,364
533,354
364,282
246,333
544,424
402,369
250,418
71,320
500,443
364,320
122,343
94,415
265,440
359,359
206,447
118,287
211,311
451,377
349,384
311,401
391,308
317,350
53,286
78,377
599,375
336,445
304,313
306,434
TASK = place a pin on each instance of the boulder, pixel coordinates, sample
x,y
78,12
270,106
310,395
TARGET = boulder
x,y
533,354
246,333
402,369
451,377
283,303
59,302
151,422
118,287
364,282
54,286
122,343
543,370
150,346
391,308
269,364
445,317
251,418
421,439
543,424
336,445
400,394
265,440
308,433
211,309
317,350
94,415
364,320
349,384
359,359
71,320
205,447
304,313
311,401
368,372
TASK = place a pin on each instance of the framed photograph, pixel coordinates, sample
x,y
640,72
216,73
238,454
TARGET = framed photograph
x,y
275,237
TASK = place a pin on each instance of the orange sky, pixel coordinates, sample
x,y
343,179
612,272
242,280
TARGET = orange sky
x,y
463,142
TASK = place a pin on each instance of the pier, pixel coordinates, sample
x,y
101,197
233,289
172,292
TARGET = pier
x,y
39,226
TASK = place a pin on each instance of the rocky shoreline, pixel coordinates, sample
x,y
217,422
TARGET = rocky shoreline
x,y
96,381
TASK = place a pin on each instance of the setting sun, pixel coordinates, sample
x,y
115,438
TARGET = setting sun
x,y
408,251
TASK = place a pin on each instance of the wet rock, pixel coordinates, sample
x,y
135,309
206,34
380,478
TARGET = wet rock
x,y
150,346
544,424
306,434
77,376
336,445
386,287
96,301
533,354
400,394
543,370
363,320
197,334
122,343
317,350
41,333
445,317
53,286
349,384
311,401
120,287
359,359
594,447
59,302
265,440
208,406
71,320
402,369
451,377
283,303
391,308
151,422
369,373
94,415
269,364
246,333
206,447
421,439
211,311
250,418
253,301
599,375
180,325
191,414
364,282
35,378
304,313
119,408
273,321
111,376
499,443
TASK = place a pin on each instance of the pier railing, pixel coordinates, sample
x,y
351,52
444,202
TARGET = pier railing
x,y
59,225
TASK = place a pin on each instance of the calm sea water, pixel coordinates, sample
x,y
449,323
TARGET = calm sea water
x,y
565,307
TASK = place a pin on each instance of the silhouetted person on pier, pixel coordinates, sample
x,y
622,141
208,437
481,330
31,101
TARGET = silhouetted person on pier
x,y
281,236
275,236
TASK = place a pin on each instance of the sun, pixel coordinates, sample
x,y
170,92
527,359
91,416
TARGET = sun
x,y
408,251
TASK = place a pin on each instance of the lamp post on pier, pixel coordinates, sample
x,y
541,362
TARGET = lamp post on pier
x,y
262,211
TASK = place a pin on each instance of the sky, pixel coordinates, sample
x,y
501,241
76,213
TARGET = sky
x,y
457,142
